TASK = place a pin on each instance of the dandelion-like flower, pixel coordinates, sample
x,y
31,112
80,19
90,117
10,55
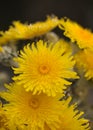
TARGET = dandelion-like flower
x,y
29,111
40,112
24,31
44,68
71,118
84,62
83,37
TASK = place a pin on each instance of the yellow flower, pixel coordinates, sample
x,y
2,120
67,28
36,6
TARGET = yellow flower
x,y
25,31
1,49
31,112
84,61
71,118
40,112
83,37
44,68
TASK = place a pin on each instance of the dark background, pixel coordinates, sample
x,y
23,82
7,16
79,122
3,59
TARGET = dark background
x,y
80,11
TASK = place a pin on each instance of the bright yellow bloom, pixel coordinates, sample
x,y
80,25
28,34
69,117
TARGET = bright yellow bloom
x,y
83,37
84,61
43,68
25,31
31,112
71,119
40,112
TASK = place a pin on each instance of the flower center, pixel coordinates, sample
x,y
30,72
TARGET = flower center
x,y
44,69
34,103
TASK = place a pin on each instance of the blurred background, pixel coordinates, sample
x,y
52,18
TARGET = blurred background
x,y
35,10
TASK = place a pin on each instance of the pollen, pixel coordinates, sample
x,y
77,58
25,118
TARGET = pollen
x,y
44,69
34,103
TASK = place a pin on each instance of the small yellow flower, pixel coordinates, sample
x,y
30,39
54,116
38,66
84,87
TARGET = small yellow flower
x,y
71,119
24,31
31,112
84,61
44,68
83,37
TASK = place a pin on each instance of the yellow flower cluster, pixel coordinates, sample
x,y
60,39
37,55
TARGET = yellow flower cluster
x,y
43,74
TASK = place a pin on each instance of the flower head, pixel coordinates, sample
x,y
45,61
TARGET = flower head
x,y
40,112
83,37
84,61
24,31
29,111
44,68
71,118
